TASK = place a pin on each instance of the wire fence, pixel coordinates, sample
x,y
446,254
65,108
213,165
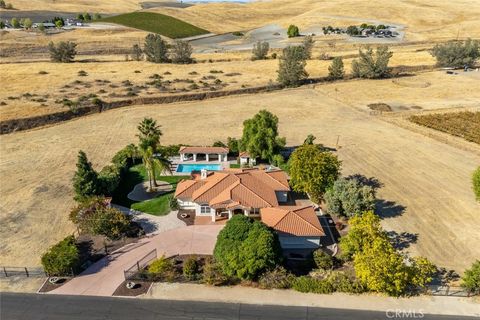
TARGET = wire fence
x,y
132,272
6,272
448,291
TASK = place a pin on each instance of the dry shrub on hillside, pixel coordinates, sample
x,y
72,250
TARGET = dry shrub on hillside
x,y
380,107
464,124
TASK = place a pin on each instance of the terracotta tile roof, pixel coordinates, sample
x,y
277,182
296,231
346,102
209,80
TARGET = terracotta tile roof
x,y
298,221
244,154
252,188
203,150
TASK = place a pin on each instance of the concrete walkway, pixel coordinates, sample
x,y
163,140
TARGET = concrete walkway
x,y
104,276
247,295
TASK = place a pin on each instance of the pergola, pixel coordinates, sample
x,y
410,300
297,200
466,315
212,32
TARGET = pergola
x,y
192,153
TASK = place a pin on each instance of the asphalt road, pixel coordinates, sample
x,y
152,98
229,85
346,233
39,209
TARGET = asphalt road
x,y
55,307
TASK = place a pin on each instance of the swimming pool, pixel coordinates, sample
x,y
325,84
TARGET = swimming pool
x,y
187,168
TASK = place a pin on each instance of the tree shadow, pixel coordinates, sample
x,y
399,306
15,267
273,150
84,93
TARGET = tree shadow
x,y
443,277
367,181
388,209
147,225
402,240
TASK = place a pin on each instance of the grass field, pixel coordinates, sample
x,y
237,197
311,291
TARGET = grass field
x,y
157,23
426,184
461,124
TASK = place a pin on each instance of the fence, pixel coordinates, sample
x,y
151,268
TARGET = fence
x,y
140,265
7,272
448,291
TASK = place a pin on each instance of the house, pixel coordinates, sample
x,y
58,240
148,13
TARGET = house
x,y
203,154
256,193
74,22
296,226
245,159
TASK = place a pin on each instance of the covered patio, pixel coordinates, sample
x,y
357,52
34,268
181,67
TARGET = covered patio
x,y
207,154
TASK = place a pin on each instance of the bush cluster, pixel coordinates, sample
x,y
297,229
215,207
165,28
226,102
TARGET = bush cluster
x,y
61,259
190,268
313,285
64,51
278,278
213,274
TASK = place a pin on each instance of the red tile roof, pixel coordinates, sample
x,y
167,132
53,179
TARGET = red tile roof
x,y
298,221
214,150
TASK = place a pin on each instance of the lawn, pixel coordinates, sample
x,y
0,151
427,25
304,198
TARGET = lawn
x,y
461,124
135,175
157,23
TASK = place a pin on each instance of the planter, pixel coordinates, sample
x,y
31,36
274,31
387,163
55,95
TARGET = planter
x,y
54,280
131,285
184,215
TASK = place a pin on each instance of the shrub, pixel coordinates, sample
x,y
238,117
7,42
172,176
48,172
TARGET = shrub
x,y
307,44
109,179
87,16
27,23
181,52
336,70
173,203
97,16
2,24
308,284
212,273
372,66
476,183
190,268
137,53
291,70
15,23
471,278
62,258
322,259
457,54
85,180
278,278
155,48
260,50
341,282
348,197
63,51
161,268
293,31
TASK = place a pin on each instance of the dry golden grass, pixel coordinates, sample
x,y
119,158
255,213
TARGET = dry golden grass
x,y
110,6
429,178
425,19
21,78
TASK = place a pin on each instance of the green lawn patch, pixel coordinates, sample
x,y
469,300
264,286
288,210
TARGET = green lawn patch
x,y
157,23
135,175
234,166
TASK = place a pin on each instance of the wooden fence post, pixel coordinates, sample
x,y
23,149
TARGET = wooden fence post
x,y
26,271
5,271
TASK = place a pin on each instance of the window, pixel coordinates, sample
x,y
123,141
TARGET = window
x,y
254,211
204,208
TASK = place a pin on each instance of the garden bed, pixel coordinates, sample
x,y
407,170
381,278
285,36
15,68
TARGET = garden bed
x,y
141,287
48,286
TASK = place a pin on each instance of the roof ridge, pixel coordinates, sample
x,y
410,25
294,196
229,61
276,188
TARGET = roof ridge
x,y
253,192
226,175
308,222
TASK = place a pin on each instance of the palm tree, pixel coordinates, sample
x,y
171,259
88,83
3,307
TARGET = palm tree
x,y
152,163
149,130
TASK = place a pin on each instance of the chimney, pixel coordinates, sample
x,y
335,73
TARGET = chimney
x,y
203,174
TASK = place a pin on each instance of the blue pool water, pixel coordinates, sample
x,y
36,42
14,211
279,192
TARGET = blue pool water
x,y
187,168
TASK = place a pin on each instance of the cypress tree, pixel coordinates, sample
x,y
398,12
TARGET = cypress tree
x,y
85,180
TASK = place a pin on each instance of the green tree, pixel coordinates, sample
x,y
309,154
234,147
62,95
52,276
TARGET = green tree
x,y
62,52
41,27
313,171
137,53
291,69
85,180
457,54
471,278
149,130
59,24
3,4
309,139
260,136
2,24
15,23
372,65
153,163
336,69
27,23
476,183
246,249
380,268
181,52
352,31
322,259
348,197
97,16
233,145
155,48
363,228
293,31
308,44
260,50
219,143
80,16
62,258
87,16
421,271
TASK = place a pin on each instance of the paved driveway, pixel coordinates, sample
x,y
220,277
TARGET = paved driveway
x,y
103,277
